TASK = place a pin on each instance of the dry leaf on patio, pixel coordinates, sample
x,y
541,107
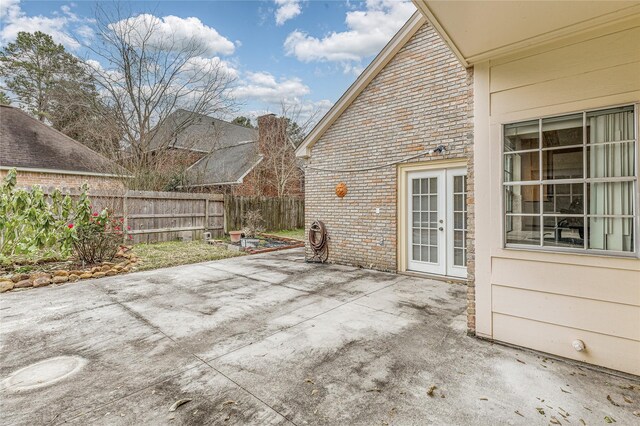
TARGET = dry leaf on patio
x,y
636,413
565,391
609,419
178,403
583,422
520,361
612,401
315,391
484,399
627,399
554,421
519,413
374,390
310,381
229,402
431,389
540,410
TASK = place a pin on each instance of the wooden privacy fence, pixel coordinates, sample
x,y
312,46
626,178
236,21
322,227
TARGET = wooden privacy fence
x,y
165,216
278,213
162,216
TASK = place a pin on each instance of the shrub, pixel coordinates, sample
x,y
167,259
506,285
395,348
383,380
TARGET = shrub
x,y
252,223
98,239
33,225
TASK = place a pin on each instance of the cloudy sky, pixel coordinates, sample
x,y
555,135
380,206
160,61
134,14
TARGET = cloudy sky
x,y
303,51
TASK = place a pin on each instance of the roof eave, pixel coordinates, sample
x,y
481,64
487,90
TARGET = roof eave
x,y
64,172
424,9
512,43
380,61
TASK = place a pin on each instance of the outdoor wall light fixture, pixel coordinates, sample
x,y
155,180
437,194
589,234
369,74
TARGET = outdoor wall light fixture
x,y
578,345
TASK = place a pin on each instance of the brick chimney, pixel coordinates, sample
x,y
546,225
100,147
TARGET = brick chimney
x,y
271,130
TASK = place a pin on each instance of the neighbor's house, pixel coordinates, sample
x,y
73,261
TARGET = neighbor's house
x,y
543,145
43,156
224,157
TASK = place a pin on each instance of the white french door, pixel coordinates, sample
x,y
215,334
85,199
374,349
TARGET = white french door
x,y
437,222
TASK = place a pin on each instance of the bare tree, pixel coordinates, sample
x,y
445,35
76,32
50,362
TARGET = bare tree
x,y
280,170
150,74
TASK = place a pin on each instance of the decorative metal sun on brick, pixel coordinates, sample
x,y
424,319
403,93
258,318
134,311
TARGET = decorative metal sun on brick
x,y
341,189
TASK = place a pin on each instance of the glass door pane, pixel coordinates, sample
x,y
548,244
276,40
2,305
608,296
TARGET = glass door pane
x,y
424,212
460,221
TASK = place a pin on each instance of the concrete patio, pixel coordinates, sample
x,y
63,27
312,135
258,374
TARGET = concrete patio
x,y
269,339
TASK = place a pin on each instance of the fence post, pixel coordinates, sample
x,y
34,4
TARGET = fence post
x,y
125,214
225,217
206,214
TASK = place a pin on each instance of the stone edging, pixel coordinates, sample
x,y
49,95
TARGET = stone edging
x,y
41,279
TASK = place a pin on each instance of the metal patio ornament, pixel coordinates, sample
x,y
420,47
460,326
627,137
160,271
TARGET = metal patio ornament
x,y
341,189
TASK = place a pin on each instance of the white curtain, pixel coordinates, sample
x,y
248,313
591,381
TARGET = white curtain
x,y
611,198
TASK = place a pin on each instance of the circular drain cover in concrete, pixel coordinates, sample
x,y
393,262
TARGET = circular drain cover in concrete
x,y
43,373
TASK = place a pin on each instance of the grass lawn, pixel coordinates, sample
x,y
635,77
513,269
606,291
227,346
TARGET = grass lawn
x,y
297,234
174,253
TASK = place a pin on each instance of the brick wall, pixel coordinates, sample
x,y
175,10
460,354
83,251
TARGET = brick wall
x,y
421,99
59,180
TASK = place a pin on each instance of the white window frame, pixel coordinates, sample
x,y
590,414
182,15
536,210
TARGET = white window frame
x,y
584,180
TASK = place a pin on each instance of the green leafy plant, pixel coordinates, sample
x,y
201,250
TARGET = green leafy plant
x,y
33,224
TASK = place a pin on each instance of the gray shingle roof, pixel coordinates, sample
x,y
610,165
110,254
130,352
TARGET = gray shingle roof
x,y
203,133
225,165
28,143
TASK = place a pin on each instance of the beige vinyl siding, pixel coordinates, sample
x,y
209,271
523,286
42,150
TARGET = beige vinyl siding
x,y
596,316
594,282
566,60
545,300
602,349
613,80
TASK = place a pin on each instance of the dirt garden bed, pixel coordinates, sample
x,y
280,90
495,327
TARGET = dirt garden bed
x,y
46,272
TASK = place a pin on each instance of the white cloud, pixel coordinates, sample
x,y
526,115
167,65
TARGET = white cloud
x,y
59,27
286,9
202,65
368,31
9,8
263,87
305,112
173,32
